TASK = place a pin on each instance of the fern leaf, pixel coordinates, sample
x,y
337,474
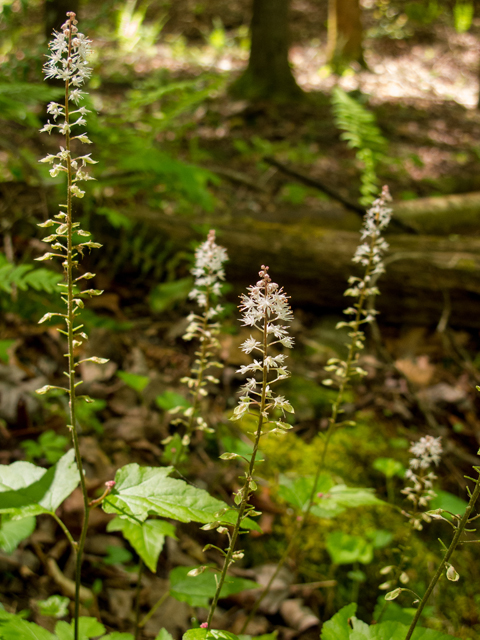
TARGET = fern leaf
x,y
361,132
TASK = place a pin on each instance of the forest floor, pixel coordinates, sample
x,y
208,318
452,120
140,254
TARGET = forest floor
x,y
423,92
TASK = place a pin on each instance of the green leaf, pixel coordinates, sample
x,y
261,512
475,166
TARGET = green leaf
x,y
142,490
169,400
347,549
28,490
136,382
56,606
297,491
164,296
18,629
164,635
87,628
147,538
117,635
331,500
117,555
198,590
205,634
340,498
12,532
4,347
448,501
389,467
393,612
393,631
338,628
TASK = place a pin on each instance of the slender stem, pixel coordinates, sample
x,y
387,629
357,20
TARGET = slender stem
x,y
71,361
331,428
202,365
453,545
65,530
153,609
246,487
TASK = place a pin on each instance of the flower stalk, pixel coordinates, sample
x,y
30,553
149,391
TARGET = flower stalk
x,y
68,62
369,254
451,574
204,327
263,308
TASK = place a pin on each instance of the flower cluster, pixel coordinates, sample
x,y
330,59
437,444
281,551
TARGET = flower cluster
x,y
68,62
69,58
265,306
369,254
209,273
426,452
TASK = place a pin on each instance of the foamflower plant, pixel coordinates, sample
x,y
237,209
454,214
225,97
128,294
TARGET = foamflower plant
x,y
426,453
68,61
203,327
266,309
369,255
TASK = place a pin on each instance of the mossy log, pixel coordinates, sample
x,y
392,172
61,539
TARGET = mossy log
x,y
426,276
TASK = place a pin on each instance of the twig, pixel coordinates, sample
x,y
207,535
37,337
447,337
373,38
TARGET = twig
x,y
316,184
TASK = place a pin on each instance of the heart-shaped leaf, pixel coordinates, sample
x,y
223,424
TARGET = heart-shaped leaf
x,y
28,490
146,538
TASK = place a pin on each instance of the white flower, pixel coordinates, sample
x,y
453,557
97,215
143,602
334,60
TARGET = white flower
x,y
249,345
209,272
72,69
427,451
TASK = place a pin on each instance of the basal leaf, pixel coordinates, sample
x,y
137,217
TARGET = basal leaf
x,y
347,549
338,628
340,498
12,532
55,606
133,380
87,628
18,629
28,490
197,590
205,634
143,490
146,538
397,631
297,491
164,635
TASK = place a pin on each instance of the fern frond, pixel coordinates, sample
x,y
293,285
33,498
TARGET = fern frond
x,y
26,276
361,132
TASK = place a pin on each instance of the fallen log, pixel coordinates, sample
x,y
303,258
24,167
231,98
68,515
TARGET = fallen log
x,y
314,263
426,273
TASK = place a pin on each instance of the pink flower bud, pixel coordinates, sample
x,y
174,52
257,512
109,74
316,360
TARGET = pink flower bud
x,y
204,625
110,484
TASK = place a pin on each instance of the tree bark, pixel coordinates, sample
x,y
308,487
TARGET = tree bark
x,y
424,274
268,75
344,33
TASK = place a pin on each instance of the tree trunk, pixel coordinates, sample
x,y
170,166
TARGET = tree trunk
x,y
268,75
344,33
